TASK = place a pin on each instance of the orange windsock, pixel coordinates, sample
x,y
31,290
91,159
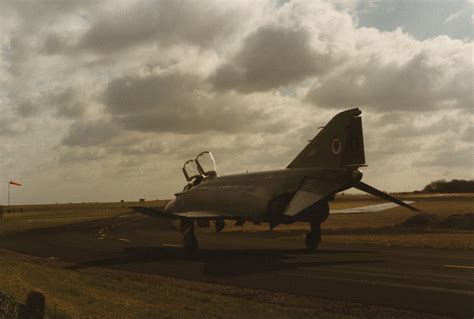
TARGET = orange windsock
x,y
14,183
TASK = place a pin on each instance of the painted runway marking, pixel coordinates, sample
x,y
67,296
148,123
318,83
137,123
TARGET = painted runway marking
x,y
170,245
387,284
459,266
124,239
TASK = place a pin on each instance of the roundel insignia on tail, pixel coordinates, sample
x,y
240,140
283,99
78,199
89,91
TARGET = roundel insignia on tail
x,y
336,146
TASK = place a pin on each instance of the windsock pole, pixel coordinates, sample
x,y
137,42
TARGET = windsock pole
x,y
9,184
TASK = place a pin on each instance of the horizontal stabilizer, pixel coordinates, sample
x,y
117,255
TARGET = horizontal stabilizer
x,y
310,192
198,215
373,191
152,211
367,209
301,200
156,212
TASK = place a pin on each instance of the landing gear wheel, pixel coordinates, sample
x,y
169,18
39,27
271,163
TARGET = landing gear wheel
x,y
312,241
313,238
190,243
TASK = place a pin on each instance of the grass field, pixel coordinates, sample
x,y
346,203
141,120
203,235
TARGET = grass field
x,y
371,228
380,228
115,294
27,217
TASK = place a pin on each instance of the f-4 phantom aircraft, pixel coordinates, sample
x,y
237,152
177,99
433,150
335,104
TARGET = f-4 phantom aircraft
x,y
300,192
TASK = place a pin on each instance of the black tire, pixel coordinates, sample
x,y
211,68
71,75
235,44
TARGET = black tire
x,y
312,241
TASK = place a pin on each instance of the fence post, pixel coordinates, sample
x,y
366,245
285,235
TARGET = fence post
x,y
35,305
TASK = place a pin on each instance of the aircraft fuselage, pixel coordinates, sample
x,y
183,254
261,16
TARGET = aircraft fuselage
x,y
251,193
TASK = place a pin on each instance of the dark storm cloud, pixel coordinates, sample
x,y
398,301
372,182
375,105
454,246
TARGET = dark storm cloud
x,y
271,57
167,103
120,31
179,103
167,22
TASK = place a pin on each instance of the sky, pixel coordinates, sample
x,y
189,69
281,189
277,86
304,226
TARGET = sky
x,y
103,101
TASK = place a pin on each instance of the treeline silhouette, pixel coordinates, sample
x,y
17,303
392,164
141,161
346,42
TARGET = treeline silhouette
x,y
454,186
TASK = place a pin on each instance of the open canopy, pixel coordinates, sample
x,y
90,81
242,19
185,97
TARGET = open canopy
x,y
202,167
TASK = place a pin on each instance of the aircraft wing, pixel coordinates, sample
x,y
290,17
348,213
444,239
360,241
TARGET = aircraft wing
x,y
367,209
153,212
203,215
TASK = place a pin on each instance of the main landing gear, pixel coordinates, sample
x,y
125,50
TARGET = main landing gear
x,y
313,238
190,242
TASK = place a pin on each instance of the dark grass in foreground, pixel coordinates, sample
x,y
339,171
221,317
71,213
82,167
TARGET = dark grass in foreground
x,y
72,294
105,293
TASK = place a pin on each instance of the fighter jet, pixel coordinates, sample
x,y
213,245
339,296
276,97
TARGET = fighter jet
x,y
330,163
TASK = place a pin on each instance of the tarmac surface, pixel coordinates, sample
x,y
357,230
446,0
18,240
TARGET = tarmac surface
x,y
437,281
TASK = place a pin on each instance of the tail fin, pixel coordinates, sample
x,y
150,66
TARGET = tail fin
x,y
339,144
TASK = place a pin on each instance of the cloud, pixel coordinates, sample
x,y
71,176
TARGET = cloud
x,y
468,134
271,57
104,95
26,109
55,43
180,103
12,127
297,41
134,95
68,102
168,23
90,133
74,155
454,16
453,158
425,77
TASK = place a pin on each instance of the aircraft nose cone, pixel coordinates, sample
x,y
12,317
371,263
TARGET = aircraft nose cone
x,y
171,207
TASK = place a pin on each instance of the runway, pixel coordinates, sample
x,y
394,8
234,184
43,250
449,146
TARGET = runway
x,y
436,281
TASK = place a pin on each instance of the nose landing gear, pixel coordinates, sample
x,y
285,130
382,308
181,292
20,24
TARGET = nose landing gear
x,y
313,238
190,242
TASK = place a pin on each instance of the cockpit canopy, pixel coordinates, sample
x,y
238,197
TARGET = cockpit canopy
x,y
190,170
200,168
206,164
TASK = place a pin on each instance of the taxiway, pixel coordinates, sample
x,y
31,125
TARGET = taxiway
x,y
437,281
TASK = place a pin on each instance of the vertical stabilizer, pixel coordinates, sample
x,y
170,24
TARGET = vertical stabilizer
x,y
339,144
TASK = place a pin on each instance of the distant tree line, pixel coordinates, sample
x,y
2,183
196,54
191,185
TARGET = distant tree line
x,y
454,186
